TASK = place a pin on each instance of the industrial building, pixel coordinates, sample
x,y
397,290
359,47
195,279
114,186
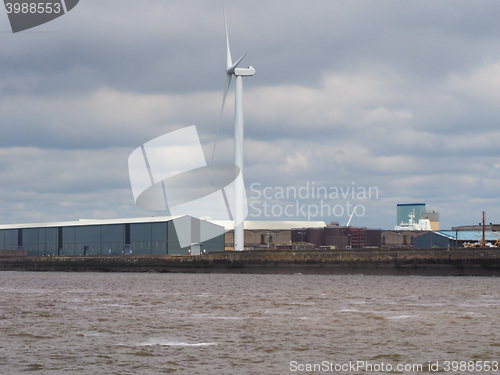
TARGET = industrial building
x,y
479,227
317,235
337,237
453,239
400,238
269,234
330,237
141,236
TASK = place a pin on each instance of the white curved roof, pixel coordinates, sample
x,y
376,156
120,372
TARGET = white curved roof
x,y
271,225
90,222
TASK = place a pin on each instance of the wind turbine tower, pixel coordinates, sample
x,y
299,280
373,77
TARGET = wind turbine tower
x,y
240,197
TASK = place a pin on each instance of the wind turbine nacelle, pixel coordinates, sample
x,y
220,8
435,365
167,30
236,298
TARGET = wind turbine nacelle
x,y
250,71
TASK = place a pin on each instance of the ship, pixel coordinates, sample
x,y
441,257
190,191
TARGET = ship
x,y
423,224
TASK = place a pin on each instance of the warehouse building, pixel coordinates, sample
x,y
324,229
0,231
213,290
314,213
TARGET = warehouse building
x,y
268,234
400,238
141,236
453,239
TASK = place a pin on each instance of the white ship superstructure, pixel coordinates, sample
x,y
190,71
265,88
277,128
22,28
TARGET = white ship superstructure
x,y
423,224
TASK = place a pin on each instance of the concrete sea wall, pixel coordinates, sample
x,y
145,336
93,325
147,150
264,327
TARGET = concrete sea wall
x,y
12,253
430,262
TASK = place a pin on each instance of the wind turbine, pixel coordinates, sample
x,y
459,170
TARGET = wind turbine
x,y
239,196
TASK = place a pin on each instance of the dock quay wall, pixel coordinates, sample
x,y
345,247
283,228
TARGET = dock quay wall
x,y
12,253
376,261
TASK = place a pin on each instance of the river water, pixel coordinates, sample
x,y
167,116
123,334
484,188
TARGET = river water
x,y
133,323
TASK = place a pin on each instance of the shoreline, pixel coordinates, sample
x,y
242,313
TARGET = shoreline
x,y
424,262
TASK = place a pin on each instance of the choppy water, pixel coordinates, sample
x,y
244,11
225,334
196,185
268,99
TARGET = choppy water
x,y
118,323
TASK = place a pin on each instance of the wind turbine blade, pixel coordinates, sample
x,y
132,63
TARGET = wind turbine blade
x,y
229,60
226,89
230,70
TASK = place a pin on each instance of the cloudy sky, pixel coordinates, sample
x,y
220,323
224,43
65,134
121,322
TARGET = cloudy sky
x,y
400,97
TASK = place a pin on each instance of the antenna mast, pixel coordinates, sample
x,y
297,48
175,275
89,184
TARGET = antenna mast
x,y
483,240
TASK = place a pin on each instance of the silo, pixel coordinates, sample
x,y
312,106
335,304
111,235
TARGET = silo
x,y
373,237
315,236
330,236
335,236
299,235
